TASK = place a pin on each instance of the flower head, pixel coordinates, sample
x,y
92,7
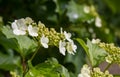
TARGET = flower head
x,y
113,51
71,47
95,41
28,20
68,44
19,27
67,36
33,31
94,72
44,41
85,71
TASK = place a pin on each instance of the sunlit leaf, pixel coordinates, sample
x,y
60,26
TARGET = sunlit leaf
x,y
8,43
24,43
82,43
50,68
96,54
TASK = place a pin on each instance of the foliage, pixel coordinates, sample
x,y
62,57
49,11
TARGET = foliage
x,y
50,68
25,55
94,52
23,44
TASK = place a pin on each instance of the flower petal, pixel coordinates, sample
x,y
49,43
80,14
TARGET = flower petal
x,y
19,32
14,25
62,48
19,27
44,41
80,75
67,36
70,48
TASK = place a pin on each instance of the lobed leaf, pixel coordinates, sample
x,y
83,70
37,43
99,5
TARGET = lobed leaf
x,y
25,44
50,68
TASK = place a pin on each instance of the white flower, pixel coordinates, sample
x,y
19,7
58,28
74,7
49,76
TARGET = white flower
x,y
83,75
19,27
80,75
33,31
62,48
67,36
86,9
44,41
71,47
95,41
98,22
85,71
28,20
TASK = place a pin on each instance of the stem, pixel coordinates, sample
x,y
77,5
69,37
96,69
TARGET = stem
x,y
24,66
107,67
34,53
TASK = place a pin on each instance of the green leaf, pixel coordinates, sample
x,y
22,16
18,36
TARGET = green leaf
x,y
96,54
60,6
82,43
113,5
24,43
76,12
9,61
8,43
50,68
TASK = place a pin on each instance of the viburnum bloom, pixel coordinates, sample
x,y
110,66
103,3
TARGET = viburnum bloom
x,y
95,41
68,36
19,27
33,31
62,48
44,41
85,71
71,47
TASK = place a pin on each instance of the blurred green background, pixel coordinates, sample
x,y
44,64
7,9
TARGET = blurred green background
x,y
68,14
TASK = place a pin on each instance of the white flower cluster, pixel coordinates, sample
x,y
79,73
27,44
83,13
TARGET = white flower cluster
x,y
69,45
86,71
45,36
21,26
